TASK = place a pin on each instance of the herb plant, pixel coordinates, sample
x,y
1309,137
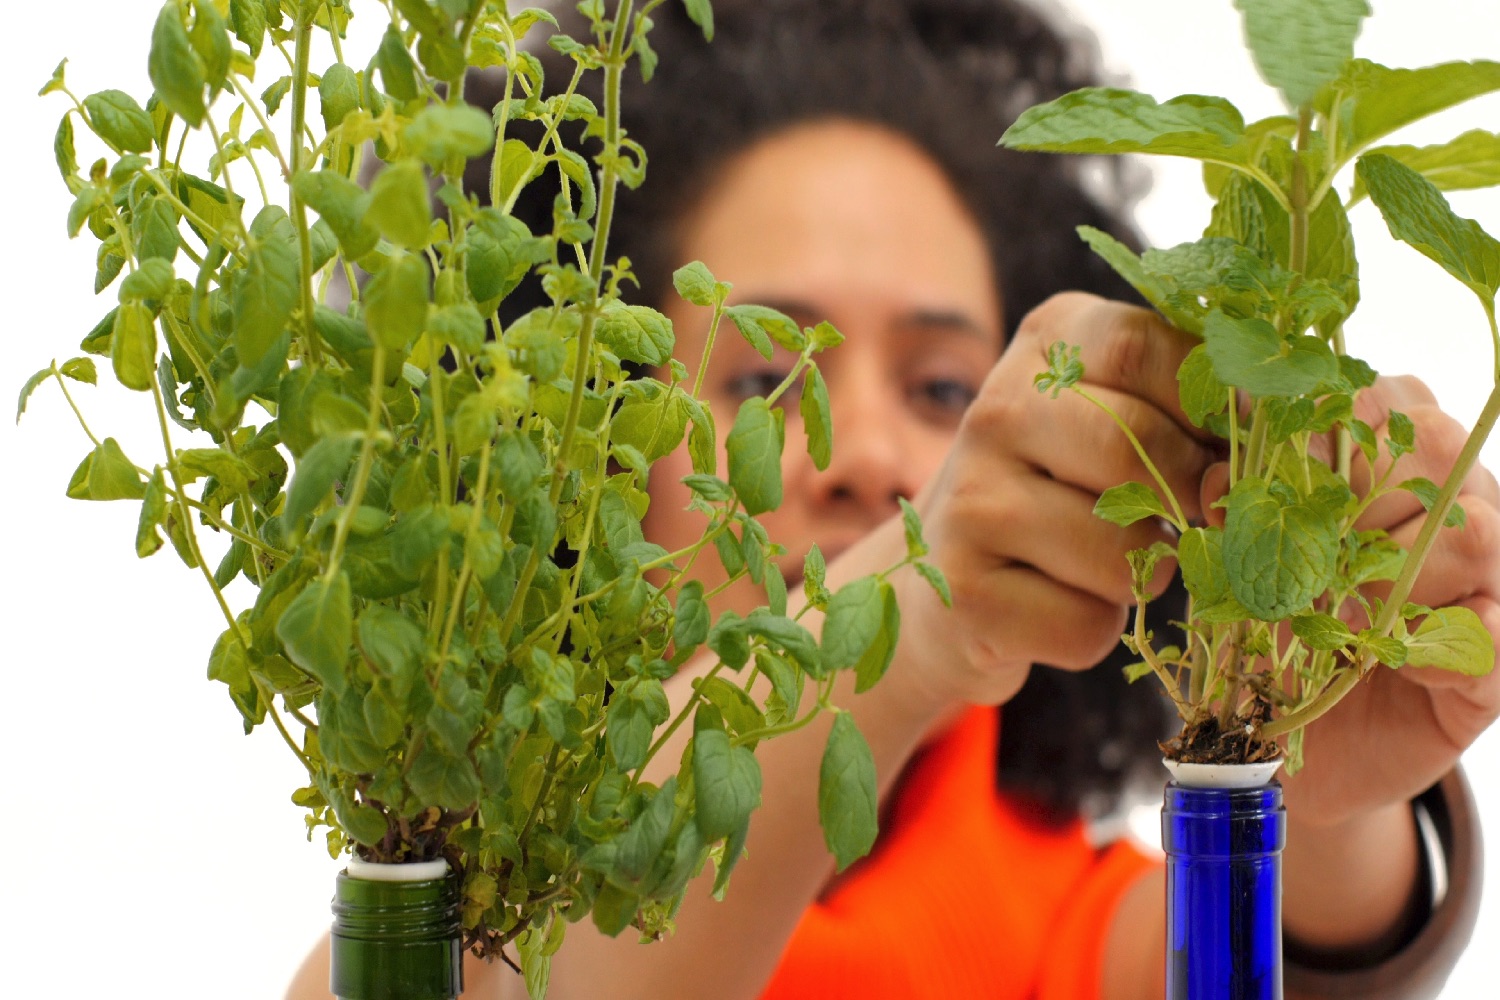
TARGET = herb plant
x,y
1278,628
457,625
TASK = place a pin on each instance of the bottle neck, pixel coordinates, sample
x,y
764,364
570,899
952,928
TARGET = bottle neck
x,y
396,940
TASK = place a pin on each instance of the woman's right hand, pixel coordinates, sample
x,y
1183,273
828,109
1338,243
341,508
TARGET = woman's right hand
x,y
1035,576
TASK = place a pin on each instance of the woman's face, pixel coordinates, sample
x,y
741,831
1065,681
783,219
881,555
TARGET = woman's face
x,y
852,224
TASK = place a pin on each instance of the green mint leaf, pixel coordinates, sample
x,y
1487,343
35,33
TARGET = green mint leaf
x,y
1301,45
175,68
324,464
739,712
396,301
1279,553
710,488
393,645
233,472
150,282
30,387
846,793
63,150
1127,265
1200,555
1427,491
696,284
1322,631
443,779
317,628
861,630
132,346
817,417
400,206
937,581
754,448
1403,434
267,291
814,570
1250,354
1386,649
760,325
343,204
1286,417
156,236
1417,214
1128,503
120,121
228,663
80,370
789,637
54,83
210,40
728,637
1200,390
635,709
398,73
636,333
338,95
248,18
824,336
153,515
1471,160
1374,101
692,620
1064,369
106,474
1108,120
1452,639
734,850
88,198
1143,567
726,781
637,849
701,13
911,524
855,615
441,131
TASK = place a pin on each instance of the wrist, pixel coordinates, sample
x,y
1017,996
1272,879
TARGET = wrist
x,y
1416,966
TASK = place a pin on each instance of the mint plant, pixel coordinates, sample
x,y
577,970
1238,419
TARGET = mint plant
x,y
457,626
1278,628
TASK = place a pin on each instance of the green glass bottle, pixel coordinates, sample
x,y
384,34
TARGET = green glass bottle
x,y
396,933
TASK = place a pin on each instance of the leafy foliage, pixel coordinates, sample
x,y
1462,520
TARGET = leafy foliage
x,y
1268,289
399,476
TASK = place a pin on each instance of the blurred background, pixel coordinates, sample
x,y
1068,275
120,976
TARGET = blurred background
x,y
149,844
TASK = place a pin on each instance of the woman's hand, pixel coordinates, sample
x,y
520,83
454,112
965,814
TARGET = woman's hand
x,y
1399,731
1035,576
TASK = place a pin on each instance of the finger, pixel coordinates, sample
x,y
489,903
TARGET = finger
x,y
1018,608
1463,563
1124,348
1076,442
1051,527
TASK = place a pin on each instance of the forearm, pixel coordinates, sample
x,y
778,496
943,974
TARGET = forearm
x,y
728,950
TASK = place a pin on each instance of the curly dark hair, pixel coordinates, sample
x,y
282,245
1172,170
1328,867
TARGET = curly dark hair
x,y
951,75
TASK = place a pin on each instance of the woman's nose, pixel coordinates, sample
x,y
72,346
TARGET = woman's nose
x,y
871,465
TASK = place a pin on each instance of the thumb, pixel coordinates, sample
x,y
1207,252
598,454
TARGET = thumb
x,y
1211,488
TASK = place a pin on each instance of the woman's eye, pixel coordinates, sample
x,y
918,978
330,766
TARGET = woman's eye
x,y
947,394
755,383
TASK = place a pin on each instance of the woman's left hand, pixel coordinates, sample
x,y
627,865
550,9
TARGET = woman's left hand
x,y
1399,731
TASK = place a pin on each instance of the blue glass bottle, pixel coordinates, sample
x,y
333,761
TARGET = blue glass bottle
x,y
1223,849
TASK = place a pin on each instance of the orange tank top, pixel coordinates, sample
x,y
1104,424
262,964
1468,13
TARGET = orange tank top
x,y
962,899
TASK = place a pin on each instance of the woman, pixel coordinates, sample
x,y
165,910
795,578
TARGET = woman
x,y
835,160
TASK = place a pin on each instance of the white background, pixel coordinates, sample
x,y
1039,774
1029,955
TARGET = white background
x,y
147,843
